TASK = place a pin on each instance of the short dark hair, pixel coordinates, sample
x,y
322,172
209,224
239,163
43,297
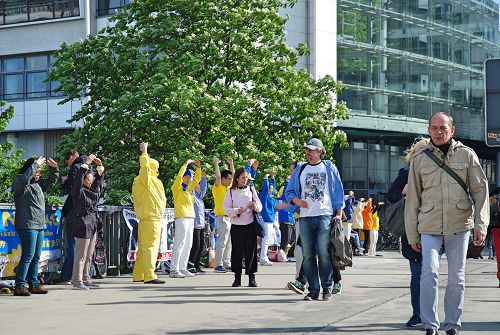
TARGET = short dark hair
x,y
69,153
225,173
441,113
26,165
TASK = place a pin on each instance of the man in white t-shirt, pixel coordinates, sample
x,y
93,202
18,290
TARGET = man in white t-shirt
x,y
316,192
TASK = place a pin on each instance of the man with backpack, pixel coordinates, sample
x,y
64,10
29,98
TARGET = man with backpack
x,y
316,192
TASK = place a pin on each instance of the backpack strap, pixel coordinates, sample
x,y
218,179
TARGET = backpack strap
x,y
445,167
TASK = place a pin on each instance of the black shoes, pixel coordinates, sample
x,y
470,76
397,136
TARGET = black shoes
x,y
414,321
155,281
237,280
452,332
251,281
431,332
326,295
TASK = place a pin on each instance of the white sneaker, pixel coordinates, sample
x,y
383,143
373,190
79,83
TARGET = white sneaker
x,y
176,274
186,273
80,287
282,256
266,263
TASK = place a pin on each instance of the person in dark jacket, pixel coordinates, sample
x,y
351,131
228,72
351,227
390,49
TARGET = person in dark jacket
x,y
396,192
29,199
86,192
73,161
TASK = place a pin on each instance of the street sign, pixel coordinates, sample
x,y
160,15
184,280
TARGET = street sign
x,y
492,102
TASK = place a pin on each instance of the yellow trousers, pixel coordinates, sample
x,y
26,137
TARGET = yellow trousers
x,y
149,242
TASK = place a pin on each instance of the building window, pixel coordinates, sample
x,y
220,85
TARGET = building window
x,y
18,11
25,78
110,7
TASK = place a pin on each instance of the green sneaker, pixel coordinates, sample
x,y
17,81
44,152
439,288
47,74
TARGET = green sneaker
x,y
337,288
296,286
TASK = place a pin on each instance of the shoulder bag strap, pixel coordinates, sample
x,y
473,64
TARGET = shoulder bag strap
x,y
445,167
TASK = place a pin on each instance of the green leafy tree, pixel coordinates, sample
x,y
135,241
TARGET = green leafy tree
x,y
195,79
10,159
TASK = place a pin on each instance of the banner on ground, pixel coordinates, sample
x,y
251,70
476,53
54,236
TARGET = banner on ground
x,y
10,244
166,240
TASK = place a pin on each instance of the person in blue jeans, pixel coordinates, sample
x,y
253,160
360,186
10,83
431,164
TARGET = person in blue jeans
x,y
29,221
73,161
316,192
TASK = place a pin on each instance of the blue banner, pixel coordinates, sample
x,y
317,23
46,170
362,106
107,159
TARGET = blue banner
x,y
10,245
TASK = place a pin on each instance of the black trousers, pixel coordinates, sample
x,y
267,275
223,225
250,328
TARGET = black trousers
x,y
244,246
197,248
366,243
286,235
337,277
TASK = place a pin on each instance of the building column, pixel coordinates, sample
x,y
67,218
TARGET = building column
x,y
323,38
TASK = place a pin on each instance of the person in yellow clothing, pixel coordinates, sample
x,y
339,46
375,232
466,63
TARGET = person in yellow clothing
x,y
184,214
149,206
223,181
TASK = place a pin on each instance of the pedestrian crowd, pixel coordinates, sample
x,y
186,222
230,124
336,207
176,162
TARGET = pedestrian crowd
x,y
447,208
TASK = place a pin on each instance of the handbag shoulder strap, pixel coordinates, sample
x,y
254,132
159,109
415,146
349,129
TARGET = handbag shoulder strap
x,y
445,167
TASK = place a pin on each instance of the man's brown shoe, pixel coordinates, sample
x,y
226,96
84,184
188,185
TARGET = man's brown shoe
x,y
22,291
38,290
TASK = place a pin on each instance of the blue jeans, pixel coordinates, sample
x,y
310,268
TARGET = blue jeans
x,y
456,249
69,252
315,239
31,246
416,271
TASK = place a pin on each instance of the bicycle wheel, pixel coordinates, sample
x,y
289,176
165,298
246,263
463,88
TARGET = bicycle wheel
x,y
99,259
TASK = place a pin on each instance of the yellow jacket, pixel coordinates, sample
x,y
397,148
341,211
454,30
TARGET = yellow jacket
x,y
184,200
148,192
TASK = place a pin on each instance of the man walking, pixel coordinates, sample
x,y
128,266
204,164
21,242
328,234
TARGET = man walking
x,y
316,192
149,206
439,210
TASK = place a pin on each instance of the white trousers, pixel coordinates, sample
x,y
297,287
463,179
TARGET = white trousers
x,y
266,241
183,240
223,250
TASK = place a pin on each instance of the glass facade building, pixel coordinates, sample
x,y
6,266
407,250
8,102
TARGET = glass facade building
x,y
405,60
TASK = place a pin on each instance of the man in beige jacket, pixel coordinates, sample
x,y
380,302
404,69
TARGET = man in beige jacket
x,y
437,211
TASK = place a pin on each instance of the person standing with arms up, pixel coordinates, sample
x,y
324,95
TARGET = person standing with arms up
x,y
183,190
223,180
85,194
439,210
29,221
149,206
316,192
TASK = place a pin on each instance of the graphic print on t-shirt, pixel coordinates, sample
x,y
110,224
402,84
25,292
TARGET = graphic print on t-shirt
x,y
315,186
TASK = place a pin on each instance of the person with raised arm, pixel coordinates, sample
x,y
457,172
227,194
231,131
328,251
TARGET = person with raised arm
x,y
150,203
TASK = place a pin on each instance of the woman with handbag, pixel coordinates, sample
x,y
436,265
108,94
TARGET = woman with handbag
x,y
240,203
87,190
395,193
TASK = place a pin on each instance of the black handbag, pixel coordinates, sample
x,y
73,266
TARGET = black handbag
x,y
258,222
395,218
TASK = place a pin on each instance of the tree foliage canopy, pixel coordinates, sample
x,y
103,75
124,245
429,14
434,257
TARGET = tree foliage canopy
x,y
195,79
10,160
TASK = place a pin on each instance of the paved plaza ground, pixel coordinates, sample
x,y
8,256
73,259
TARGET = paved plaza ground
x,y
375,300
